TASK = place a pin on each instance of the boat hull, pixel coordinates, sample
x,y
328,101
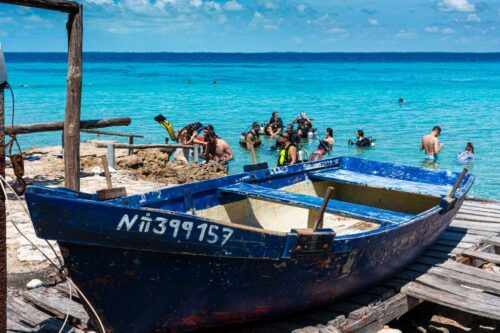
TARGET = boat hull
x,y
147,291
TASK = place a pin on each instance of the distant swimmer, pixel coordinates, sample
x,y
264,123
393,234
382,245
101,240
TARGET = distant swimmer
x,y
467,154
215,82
362,141
401,100
430,144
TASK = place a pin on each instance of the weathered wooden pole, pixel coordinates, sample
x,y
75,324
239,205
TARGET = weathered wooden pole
x,y
73,101
3,226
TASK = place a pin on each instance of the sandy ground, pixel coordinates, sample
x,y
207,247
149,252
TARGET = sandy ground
x,y
146,170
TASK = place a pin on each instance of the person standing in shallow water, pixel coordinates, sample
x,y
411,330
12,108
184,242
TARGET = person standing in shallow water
x,y
430,144
217,149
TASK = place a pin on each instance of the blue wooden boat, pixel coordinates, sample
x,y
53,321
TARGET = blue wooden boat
x,y
241,248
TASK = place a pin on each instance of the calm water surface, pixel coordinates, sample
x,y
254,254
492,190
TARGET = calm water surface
x,y
462,97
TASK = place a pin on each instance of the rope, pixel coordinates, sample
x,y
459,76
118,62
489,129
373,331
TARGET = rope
x,y
60,268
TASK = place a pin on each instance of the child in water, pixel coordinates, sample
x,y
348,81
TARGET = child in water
x,y
468,154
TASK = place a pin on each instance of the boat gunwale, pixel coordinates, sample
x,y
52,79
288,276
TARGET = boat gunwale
x,y
278,172
382,228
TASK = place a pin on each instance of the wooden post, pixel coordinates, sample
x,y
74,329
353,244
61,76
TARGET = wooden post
x,y
111,155
319,221
130,142
3,227
106,171
73,101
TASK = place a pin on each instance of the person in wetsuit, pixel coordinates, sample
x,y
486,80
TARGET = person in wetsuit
x,y
305,124
252,138
362,141
274,126
288,151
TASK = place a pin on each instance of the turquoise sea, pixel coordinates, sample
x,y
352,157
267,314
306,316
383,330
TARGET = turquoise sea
x,y
461,93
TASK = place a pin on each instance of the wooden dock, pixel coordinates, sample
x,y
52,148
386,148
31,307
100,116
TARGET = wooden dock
x,y
450,273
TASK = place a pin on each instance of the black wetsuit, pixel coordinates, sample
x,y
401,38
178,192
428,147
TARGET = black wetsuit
x,y
365,142
275,123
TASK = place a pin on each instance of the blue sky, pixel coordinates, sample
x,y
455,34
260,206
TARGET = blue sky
x,y
262,25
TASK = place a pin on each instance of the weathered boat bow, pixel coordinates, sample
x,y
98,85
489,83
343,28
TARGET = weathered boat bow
x,y
242,247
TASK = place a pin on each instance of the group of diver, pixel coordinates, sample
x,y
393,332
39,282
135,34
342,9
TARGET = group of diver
x,y
290,137
288,141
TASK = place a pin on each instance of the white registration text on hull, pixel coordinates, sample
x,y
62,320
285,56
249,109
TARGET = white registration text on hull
x,y
177,229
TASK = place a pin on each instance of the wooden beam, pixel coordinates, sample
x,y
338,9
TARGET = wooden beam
x,y
58,5
111,133
3,227
144,146
73,101
59,125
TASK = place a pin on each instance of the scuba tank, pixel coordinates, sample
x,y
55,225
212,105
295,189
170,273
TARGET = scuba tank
x,y
310,135
300,156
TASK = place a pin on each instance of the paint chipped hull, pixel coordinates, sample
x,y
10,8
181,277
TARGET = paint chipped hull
x,y
148,264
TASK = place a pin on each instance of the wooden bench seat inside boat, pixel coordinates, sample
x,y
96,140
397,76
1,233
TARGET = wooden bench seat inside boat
x,y
363,179
308,201
279,210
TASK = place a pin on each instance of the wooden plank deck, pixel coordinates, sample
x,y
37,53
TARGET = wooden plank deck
x,y
473,236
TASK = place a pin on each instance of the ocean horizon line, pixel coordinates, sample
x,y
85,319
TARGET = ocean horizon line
x,y
264,52
257,57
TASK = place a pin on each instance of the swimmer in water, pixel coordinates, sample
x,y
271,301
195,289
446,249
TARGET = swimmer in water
x,y
430,144
362,141
401,100
468,154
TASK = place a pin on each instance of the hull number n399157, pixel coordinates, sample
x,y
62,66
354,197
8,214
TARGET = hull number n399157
x,y
180,230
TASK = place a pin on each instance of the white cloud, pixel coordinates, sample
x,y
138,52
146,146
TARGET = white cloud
x,y
436,29
336,31
405,34
301,7
473,18
447,31
196,3
431,29
260,21
100,2
373,21
297,40
271,5
256,19
233,5
213,5
456,6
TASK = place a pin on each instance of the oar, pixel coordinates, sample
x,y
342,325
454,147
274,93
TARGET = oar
x,y
449,201
319,221
110,192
